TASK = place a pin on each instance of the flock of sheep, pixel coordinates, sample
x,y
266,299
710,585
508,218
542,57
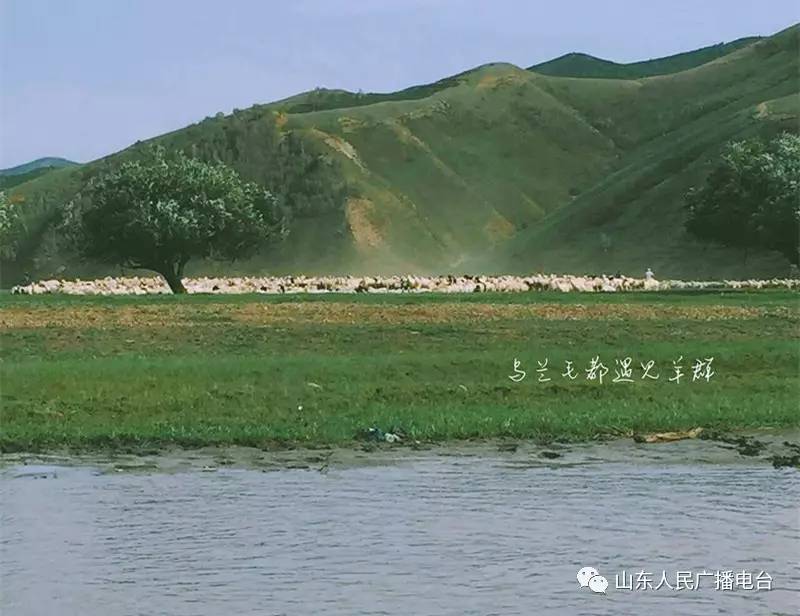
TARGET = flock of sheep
x,y
387,284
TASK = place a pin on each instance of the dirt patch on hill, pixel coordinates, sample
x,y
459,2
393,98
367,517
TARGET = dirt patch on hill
x,y
360,214
281,119
349,125
496,81
340,145
498,228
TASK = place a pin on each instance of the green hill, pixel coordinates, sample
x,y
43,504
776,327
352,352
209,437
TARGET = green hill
x,y
495,169
26,172
671,129
584,65
50,162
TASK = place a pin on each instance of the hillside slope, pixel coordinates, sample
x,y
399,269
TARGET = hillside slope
x,y
50,162
495,169
429,180
633,218
585,65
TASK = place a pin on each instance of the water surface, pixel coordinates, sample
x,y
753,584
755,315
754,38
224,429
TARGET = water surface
x,y
475,532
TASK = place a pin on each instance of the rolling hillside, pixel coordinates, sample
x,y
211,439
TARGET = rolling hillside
x,y
671,127
584,65
50,162
496,169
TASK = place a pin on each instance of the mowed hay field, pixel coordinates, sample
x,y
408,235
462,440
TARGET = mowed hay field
x,y
273,371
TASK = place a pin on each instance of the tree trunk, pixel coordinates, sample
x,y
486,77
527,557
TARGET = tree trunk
x,y
173,279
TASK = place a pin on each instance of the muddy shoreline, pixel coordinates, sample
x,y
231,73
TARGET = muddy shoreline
x,y
778,448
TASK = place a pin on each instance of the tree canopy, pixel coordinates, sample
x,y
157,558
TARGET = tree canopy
x,y
12,226
162,211
752,197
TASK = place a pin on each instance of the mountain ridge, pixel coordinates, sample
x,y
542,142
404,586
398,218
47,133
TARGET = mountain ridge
x,y
55,162
578,64
497,168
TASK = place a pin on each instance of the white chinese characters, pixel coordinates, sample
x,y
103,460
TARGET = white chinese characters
x,y
682,580
624,371
721,579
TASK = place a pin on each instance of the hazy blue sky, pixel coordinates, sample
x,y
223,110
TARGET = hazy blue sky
x,y
83,78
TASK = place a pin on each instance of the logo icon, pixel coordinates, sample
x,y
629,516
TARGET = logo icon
x,y
589,576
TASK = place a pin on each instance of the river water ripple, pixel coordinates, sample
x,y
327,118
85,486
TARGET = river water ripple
x,y
430,534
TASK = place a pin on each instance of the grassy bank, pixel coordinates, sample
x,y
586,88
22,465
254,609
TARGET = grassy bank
x,y
146,372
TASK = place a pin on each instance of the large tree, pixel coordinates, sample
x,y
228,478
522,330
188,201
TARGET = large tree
x,y
752,197
159,212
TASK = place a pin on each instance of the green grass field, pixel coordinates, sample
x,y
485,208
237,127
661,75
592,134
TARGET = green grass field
x,y
145,373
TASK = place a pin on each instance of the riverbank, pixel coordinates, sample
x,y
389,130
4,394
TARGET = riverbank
x,y
141,373
779,448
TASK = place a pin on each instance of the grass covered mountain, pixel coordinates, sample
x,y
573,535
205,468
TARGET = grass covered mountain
x,y
496,169
13,176
49,162
584,65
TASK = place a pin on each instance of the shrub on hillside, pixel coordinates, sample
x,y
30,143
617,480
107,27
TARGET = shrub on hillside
x,y
12,227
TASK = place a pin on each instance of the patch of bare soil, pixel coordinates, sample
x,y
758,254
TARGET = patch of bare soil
x,y
359,218
341,313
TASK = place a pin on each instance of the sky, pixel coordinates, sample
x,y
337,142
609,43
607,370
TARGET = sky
x,y
85,78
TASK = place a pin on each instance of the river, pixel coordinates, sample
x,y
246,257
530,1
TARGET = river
x,y
470,530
